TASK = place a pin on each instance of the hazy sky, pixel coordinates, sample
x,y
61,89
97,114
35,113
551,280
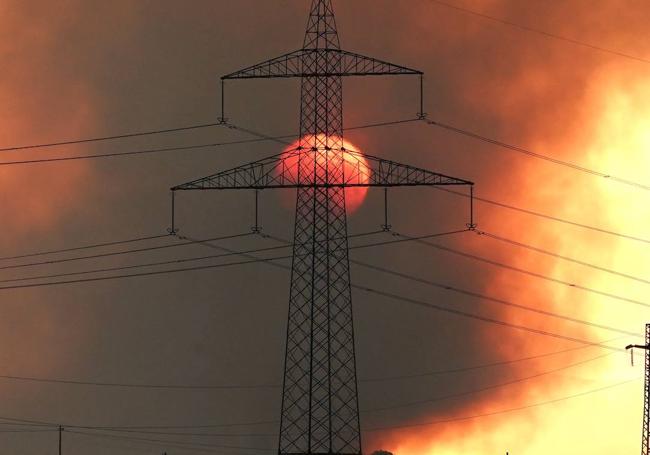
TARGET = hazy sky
x,y
76,68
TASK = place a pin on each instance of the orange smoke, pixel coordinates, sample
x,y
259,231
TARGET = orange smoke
x,y
46,95
578,105
334,164
39,102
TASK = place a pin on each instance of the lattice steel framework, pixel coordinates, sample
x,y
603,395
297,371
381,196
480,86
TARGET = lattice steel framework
x,y
645,430
320,411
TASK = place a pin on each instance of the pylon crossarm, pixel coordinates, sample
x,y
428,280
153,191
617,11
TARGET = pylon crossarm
x,y
280,171
300,63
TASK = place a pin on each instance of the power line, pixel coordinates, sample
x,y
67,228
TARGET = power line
x,y
447,287
559,256
540,156
470,315
544,216
475,367
477,295
485,389
85,247
171,443
494,299
196,268
371,429
528,272
260,138
120,253
371,379
166,262
541,32
183,148
107,138
503,411
389,407
480,318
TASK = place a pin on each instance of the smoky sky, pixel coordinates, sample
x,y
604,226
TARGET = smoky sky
x,y
88,68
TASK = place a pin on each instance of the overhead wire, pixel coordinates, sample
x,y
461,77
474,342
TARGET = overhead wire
x,y
368,379
478,317
172,443
540,156
382,408
541,276
85,247
503,239
166,262
492,299
369,429
110,137
486,388
193,268
122,252
502,411
467,314
543,215
539,31
261,138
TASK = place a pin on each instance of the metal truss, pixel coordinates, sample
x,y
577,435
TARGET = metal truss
x,y
280,171
645,430
320,406
294,64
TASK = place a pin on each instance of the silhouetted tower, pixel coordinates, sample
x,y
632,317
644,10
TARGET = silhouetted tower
x,y
320,410
645,431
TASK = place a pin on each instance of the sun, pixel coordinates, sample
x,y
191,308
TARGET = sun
x,y
324,157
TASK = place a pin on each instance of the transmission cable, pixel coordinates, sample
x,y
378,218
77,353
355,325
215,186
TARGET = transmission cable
x,y
486,388
259,138
170,261
107,138
503,411
381,408
195,268
172,443
85,247
262,136
370,429
540,32
542,215
477,317
488,298
466,314
123,252
535,154
527,272
370,379
484,233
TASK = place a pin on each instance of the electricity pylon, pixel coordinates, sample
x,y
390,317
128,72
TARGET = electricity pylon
x,y
320,409
645,431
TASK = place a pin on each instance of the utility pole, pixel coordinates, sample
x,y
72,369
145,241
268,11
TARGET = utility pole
x,y
320,409
60,437
645,431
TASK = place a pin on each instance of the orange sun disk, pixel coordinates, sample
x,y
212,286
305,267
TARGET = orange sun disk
x,y
354,165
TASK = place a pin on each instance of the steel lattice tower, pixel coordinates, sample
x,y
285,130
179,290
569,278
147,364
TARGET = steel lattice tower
x,y
320,410
645,430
